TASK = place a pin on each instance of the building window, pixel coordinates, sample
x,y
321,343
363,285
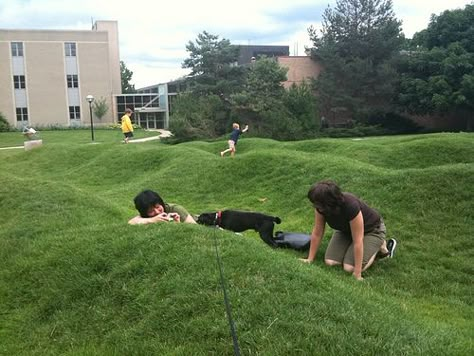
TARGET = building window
x,y
17,49
19,81
70,48
72,81
74,112
21,114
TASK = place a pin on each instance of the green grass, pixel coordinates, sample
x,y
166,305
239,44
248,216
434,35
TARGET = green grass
x,y
78,136
75,279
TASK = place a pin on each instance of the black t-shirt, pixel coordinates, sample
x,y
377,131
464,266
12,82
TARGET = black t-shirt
x,y
349,210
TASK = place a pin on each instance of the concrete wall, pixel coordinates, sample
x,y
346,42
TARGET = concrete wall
x,y
7,104
98,66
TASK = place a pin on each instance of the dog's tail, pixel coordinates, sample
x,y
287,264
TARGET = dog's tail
x,y
277,219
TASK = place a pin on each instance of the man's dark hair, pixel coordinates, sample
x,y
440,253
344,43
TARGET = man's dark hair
x,y
326,193
145,200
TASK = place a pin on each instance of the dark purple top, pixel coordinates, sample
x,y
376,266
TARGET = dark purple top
x,y
349,210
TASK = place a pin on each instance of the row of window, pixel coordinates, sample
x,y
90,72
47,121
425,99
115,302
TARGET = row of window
x,y
19,81
74,113
69,49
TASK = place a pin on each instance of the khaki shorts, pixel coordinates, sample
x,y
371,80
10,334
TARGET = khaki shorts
x,y
341,247
231,145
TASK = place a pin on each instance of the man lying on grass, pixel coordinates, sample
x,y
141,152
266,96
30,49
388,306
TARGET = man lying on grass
x,y
153,209
359,230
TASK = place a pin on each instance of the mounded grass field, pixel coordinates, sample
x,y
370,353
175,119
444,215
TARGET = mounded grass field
x,y
76,279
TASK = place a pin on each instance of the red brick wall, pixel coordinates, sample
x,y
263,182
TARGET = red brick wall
x,y
300,68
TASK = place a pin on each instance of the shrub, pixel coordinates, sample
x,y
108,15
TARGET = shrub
x,y
100,108
393,122
4,125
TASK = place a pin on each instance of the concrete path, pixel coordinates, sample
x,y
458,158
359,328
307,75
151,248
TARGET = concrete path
x,y
11,148
162,133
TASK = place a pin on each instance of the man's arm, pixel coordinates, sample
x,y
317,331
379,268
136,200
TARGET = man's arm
x,y
245,128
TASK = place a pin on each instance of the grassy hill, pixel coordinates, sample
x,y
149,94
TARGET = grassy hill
x,y
76,279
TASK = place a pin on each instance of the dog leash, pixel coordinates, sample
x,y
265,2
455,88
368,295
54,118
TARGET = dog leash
x,y
226,301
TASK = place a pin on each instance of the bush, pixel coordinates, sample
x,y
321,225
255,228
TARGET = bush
x,y
4,125
393,122
196,117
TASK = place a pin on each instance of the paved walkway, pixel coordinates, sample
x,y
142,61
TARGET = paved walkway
x,y
162,133
11,148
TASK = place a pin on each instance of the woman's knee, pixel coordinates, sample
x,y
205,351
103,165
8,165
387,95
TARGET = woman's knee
x,y
348,268
330,262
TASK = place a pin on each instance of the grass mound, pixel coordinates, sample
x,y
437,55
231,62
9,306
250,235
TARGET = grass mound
x,y
76,279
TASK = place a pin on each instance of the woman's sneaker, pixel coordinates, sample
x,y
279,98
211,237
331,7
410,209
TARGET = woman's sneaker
x,y
391,246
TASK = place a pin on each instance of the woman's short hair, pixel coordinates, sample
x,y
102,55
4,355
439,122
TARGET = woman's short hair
x,y
326,193
146,200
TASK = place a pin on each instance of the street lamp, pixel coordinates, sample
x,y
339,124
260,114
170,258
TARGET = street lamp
x,y
90,99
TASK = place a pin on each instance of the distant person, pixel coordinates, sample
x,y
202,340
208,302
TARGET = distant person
x,y
234,137
153,209
127,127
359,234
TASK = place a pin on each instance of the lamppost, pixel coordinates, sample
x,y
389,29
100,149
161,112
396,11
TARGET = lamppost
x,y
90,99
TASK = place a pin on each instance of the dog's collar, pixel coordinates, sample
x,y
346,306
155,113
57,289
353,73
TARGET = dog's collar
x,y
217,220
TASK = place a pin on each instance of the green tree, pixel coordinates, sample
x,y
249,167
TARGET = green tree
x,y
261,103
439,76
100,108
212,63
301,103
126,77
359,41
195,117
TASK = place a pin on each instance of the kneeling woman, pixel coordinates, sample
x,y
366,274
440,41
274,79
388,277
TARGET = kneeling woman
x,y
359,230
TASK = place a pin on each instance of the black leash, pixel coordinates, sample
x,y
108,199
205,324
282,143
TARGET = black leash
x,y
226,301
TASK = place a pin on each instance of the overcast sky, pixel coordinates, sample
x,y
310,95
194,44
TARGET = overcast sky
x,y
153,34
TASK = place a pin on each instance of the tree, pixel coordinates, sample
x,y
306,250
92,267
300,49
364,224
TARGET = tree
x,y
100,108
262,101
359,41
212,63
301,103
439,76
126,77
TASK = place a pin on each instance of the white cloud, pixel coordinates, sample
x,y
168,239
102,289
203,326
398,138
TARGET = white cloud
x,y
153,35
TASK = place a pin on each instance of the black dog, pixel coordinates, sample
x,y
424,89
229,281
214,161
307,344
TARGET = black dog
x,y
239,221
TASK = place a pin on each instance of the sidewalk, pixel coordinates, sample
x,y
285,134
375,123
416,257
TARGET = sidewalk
x,y
163,133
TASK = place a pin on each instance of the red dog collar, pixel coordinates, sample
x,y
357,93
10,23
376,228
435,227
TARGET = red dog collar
x,y
218,218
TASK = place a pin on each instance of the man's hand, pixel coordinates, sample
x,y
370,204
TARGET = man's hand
x,y
305,260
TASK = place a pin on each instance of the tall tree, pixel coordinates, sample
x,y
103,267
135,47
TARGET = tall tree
x,y
358,43
262,102
212,63
439,76
126,77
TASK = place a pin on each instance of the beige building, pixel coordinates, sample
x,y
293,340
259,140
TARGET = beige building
x,y
300,68
45,75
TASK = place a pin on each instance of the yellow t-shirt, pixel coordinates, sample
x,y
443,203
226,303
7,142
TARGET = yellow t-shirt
x,y
126,124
